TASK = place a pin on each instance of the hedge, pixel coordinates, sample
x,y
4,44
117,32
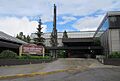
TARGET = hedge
x,y
114,55
7,54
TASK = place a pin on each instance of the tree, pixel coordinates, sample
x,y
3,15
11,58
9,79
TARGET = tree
x,y
28,38
97,41
22,37
39,39
65,35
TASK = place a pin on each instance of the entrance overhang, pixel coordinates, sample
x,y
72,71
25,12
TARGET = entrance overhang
x,y
76,48
71,40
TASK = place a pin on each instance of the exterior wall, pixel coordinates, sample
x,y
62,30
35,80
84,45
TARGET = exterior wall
x,y
47,43
110,32
105,42
114,40
74,34
110,40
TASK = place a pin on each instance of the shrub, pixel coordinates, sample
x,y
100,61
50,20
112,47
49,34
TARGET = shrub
x,y
32,57
61,54
7,54
114,55
24,56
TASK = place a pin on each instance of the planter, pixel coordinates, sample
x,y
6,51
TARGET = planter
x,y
112,61
9,62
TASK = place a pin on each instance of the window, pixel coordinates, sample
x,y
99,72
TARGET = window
x,y
103,27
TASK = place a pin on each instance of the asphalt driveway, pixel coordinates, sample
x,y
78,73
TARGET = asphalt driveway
x,y
78,70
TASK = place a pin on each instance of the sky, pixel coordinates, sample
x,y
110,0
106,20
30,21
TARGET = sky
x,y
72,15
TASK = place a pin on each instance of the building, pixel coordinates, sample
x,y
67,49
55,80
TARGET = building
x,y
105,40
72,34
109,32
78,44
8,42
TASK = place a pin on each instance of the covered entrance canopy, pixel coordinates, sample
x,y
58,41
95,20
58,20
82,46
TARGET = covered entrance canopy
x,y
79,47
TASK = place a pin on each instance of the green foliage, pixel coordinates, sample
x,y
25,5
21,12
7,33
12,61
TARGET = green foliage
x,y
28,39
7,54
22,37
32,57
65,35
97,41
61,54
39,39
114,55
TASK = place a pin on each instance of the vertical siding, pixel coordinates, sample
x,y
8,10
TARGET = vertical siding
x,y
105,42
114,35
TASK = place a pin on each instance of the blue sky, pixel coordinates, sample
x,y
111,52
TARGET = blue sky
x,y
72,15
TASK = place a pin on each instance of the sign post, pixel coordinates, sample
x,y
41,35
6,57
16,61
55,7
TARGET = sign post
x,y
31,49
43,52
20,51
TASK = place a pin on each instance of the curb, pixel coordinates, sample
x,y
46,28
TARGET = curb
x,y
31,74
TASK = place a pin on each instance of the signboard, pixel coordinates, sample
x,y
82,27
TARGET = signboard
x,y
32,49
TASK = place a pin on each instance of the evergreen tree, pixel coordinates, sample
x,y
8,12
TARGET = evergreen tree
x,y
65,35
22,37
18,36
39,39
28,38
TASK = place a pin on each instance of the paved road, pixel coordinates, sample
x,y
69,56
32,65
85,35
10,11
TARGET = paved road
x,y
47,67
94,74
86,70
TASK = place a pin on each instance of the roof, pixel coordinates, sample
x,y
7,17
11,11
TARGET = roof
x,y
111,13
74,34
78,40
7,37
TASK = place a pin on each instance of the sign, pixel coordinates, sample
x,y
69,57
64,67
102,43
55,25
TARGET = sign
x,y
32,49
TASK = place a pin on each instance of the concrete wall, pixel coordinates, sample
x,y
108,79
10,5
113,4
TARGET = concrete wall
x,y
110,40
114,40
105,42
47,42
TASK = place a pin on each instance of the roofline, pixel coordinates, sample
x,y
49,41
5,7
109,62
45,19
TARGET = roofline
x,y
104,19
11,41
111,13
68,32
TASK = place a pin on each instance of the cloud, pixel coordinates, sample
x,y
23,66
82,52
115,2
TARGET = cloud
x,y
22,8
10,10
88,23
67,19
14,25
85,7
44,8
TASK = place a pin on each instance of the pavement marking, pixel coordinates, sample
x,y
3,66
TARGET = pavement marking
x,y
38,73
31,74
